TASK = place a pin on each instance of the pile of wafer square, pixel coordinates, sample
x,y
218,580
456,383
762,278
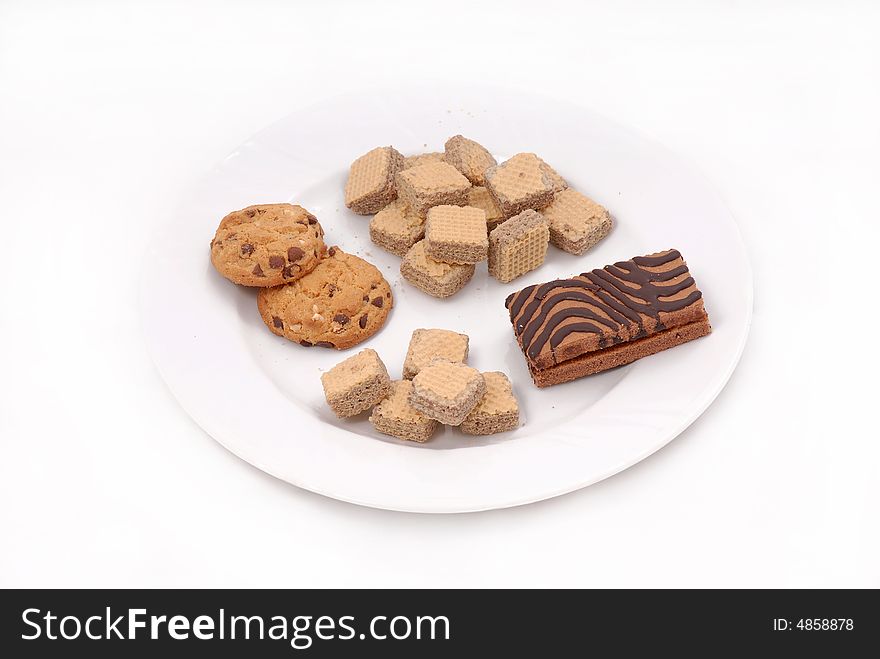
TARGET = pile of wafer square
x,y
445,212
438,387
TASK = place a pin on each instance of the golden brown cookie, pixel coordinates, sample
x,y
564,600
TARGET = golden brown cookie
x,y
343,301
267,245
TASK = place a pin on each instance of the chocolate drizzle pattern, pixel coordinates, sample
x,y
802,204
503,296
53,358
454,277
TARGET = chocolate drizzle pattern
x,y
615,303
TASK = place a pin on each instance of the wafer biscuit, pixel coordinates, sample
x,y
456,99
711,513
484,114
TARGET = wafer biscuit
x,y
433,277
470,158
456,234
577,222
396,417
428,344
479,197
423,159
396,228
432,184
518,246
356,384
519,183
447,391
497,411
371,181
556,181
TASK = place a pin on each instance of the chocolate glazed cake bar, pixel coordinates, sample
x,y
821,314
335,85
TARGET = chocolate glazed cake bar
x,y
569,328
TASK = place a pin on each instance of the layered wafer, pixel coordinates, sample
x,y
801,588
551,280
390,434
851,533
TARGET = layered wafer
x,y
518,246
396,228
423,159
371,183
577,222
356,384
470,158
396,417
498,409
428,344
524,181
447,391
434,277
479,197
456,234
569,328
432,184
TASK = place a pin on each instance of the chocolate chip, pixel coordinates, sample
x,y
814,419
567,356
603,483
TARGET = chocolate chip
x,y
366,298
276,261
325,344
258,271
378,302
250,212
341,318
290,271
277,322
362,323
247,249
313,219
332,251
307,344
295,254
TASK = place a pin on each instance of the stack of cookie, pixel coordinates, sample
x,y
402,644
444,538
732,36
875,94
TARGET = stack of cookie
x,y
437,387
309,294
444,213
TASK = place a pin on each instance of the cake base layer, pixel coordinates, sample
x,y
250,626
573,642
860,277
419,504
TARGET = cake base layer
x,y
619,355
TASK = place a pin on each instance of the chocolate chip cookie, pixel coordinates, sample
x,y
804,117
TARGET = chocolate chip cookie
x,y
267,245
343,301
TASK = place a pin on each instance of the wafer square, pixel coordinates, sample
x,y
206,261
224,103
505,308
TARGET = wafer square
x,y
470,158
447,391
456,234
432,184
396,228
518,246
396,417
428,344
556,181
371,181
577,222
356,384
497,411
423,159
433,277
479,197
519,183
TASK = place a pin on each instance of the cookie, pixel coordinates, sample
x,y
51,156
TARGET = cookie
x,y
470,158
577,222
497,411
524,181
356,384
343,301
456,234
267,245
518,246
434,277
371,180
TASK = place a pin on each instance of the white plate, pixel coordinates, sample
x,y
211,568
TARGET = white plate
x,y
260,395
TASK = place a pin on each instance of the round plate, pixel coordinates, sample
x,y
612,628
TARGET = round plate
x,y
260,396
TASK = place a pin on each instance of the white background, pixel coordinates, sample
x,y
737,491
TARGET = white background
x,y
110,111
